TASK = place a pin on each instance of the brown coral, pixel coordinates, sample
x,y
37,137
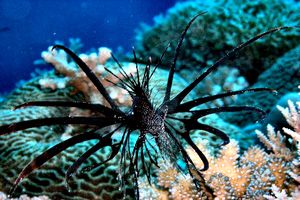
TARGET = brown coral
x,y
251,176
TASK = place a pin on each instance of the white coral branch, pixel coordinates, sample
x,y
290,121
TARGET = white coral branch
x,y
271,143
296,177
293,134
292,115
279,195
275,142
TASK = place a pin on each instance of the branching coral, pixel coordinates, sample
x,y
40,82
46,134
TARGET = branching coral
x,y
276,143
284,162
253,175
174,184
75,77
226,164
292,116
282,195
281,161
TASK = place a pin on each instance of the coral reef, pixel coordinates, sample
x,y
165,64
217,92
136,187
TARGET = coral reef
x,y
225,25
256,174
18,149
227,77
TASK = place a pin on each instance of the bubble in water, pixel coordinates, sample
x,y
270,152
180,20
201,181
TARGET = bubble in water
x,y
275,92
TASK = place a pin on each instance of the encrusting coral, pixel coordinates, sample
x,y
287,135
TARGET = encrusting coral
x,y
283,76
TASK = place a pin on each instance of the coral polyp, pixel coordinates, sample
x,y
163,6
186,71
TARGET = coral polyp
x,y
114,127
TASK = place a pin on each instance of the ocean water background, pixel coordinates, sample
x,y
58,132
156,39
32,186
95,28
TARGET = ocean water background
x,y
28,27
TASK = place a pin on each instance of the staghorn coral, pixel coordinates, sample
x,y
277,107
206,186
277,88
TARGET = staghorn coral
x,y
281,158
239,176
225,24
289,168
254,175
292,116
282,195
276,143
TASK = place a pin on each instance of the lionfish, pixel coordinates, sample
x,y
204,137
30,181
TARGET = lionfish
x,y
143,118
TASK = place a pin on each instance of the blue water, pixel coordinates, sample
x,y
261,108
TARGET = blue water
x,y
27,27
